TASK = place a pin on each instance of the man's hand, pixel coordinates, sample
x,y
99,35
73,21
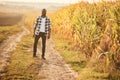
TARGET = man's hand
x,y
33,35
49,34
48,37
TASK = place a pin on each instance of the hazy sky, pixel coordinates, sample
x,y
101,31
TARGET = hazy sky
x,y
56,1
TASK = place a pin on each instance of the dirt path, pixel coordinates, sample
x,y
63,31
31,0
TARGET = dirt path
x,y
6,47
54,67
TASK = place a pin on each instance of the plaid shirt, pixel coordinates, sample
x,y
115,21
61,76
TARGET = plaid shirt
x,y
37,25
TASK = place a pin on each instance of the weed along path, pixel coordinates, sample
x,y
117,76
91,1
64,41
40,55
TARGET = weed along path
x,y
54,67
6,47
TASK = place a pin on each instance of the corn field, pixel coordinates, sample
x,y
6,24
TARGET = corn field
x,y
94,29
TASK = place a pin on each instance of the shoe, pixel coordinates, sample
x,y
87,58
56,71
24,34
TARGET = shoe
x,y
43,58
34,56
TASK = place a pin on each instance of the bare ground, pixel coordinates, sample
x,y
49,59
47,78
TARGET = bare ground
x,y
54,67
9,19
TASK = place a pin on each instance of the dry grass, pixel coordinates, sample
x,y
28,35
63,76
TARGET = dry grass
x,y
78,62
92,30
21,63
6,31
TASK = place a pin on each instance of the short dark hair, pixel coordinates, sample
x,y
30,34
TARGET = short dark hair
x,y
44,9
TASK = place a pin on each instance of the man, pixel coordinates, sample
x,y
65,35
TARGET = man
x,y
41,29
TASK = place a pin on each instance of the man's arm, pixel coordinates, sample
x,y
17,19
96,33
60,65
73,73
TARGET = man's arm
x,y
35,24
49,33
49,30
34,32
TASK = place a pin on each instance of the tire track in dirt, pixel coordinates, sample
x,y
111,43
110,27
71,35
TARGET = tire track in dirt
x,y
54,67
6,47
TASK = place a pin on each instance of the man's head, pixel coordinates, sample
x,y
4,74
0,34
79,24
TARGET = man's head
x,y
44,12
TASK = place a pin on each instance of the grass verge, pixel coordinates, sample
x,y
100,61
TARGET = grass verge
x,y
6,31
77,60
22,65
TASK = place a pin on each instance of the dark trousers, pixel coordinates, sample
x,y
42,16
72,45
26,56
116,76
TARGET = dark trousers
x,y
43,36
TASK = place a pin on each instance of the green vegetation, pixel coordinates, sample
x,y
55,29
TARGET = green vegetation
x,y
77,60
6,31
22,65
70,56
90,33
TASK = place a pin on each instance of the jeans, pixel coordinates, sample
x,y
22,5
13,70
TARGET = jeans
x,y
43,36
